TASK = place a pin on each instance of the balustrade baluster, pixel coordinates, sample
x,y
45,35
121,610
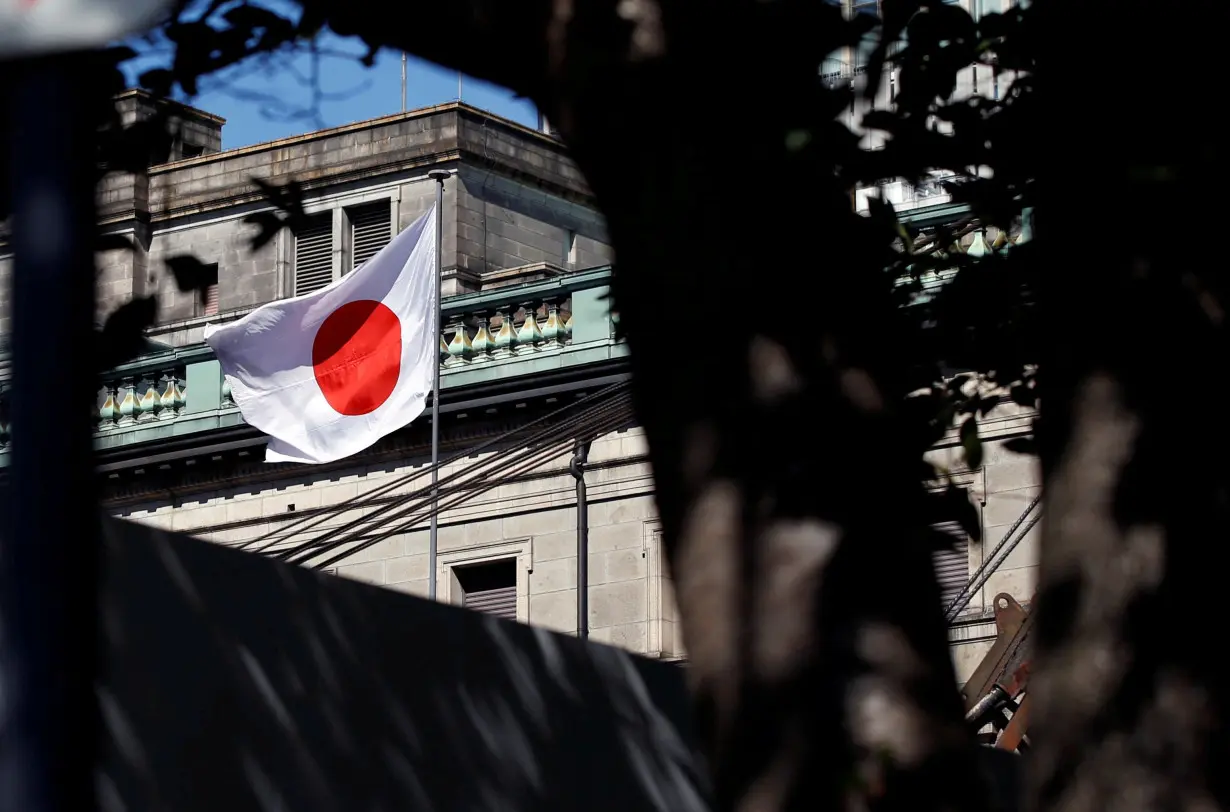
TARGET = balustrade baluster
x,y
483,342
506,338
128,403
553,329
459,349
149,401
169,400
529,337
109,412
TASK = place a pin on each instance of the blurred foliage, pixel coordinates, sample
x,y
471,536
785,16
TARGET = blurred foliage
x,y
964,332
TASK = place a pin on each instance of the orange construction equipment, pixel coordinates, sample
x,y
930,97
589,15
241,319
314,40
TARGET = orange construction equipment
x,y
996,694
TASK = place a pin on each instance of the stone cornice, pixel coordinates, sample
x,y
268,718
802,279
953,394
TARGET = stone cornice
x,y
353,153
354,127
248,471
252,195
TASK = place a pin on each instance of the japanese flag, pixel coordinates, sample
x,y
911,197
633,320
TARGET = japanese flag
x,y
329,373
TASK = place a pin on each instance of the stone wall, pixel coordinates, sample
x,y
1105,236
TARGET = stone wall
x,y
534,521
120,275
631,603
517,200
504,224
245,277
233,682
1003,488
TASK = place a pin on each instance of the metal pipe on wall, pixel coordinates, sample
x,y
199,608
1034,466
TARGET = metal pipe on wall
x,y
576,466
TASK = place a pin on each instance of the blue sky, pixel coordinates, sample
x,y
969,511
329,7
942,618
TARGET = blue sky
x,y
277,97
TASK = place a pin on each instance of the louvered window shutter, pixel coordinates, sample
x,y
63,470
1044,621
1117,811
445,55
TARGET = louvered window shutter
x,y
210,295
952,565
314,254
501,601
371,228
490,588
207,292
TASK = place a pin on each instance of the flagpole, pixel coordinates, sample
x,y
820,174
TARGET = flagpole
x,y
438,175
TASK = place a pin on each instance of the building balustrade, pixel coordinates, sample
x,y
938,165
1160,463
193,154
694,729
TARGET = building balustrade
x,y
563,320
170,386
142,397
512,330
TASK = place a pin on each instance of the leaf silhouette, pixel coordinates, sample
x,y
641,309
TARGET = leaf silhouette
x,y
123,335
189,272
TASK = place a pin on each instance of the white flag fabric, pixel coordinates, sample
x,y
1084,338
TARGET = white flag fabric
x,y
329,373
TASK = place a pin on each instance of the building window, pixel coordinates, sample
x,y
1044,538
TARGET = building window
x,y
207,292
371,228
952,563
191,151
314,254
489,587
320,261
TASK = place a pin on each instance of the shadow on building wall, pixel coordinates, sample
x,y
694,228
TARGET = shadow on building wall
x,y
233,682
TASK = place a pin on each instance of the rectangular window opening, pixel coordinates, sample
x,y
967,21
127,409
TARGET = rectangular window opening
x,y
570,248
952,563
314,254
490,587
207,292
191,151
371,229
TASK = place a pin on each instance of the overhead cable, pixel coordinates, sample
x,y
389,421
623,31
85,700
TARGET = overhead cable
x,y
612,418
991,562
315,519
493,464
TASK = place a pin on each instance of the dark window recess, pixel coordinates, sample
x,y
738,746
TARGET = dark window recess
x,y
314,254
191,151
952,564
207,292
490,587
371,228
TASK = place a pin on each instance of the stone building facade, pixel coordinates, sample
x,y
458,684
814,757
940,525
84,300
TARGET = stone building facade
x,y
530,360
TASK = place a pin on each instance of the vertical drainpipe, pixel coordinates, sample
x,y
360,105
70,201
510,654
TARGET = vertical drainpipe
x,y
576,468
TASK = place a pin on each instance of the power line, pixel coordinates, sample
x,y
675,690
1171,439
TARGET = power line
x,y
596,422
417,514
375,495
991,563
565,429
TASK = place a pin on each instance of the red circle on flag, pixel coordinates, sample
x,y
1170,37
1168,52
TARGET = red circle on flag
x,y
357,356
